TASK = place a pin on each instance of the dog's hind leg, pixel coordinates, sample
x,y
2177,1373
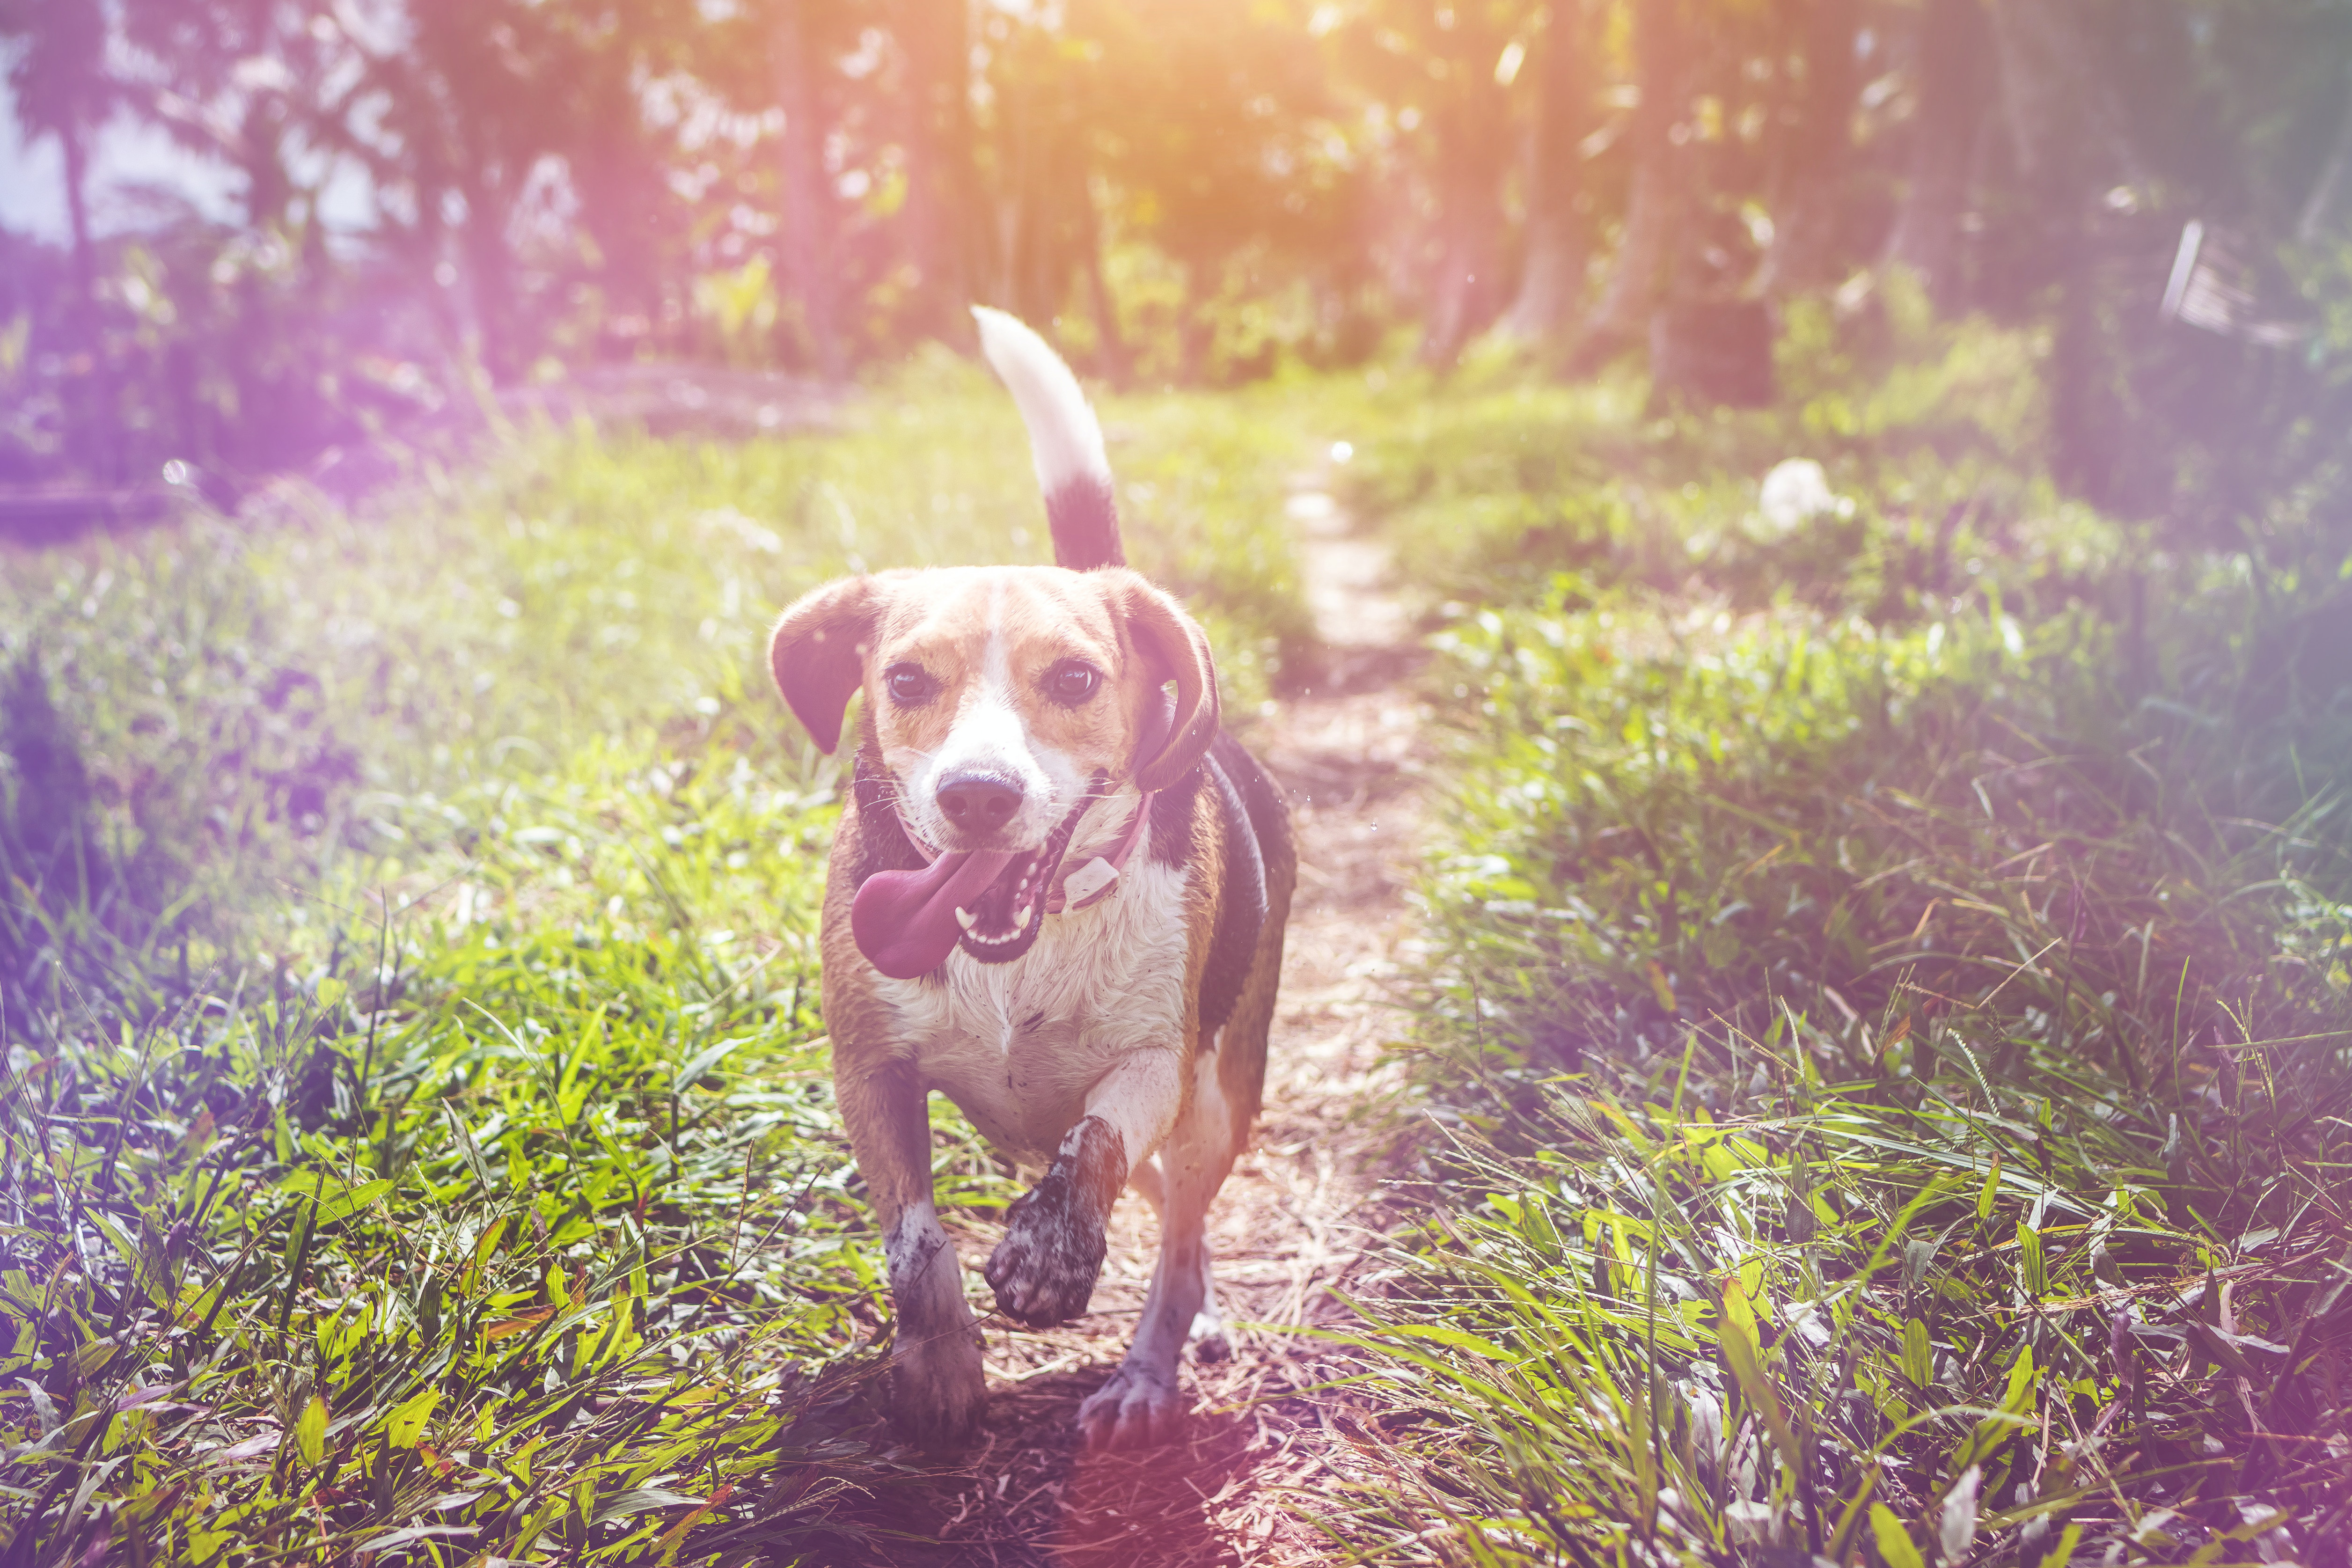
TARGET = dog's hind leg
x,y
1146,1180
1206,1339
1142,1405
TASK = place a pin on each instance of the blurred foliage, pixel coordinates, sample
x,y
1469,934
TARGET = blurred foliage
x,y
432,203
1929,433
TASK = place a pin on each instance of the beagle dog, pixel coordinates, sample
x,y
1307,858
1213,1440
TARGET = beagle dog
x,y
1057,895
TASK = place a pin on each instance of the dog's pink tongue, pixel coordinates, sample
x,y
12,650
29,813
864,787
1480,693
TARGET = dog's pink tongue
x,y
905,921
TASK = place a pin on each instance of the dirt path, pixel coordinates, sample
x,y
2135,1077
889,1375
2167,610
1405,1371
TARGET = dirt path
x,y
1289,1223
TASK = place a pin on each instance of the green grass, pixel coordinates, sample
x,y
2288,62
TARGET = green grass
x,y
1887,1036
537,1237
1491,485
1884,1037
1816,960
418,1131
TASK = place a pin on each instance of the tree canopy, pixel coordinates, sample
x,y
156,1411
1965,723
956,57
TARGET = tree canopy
x,y
1186,190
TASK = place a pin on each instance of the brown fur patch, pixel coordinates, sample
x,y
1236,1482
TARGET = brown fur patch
x,y
1036,619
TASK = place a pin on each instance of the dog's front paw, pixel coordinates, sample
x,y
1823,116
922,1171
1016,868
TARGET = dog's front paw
x,y
1140,1408
1044,1271
937,1392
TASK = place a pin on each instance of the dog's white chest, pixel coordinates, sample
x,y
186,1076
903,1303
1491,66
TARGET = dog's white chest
x,y
1017,1046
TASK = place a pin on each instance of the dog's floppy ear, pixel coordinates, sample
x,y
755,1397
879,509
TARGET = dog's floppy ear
x,y
1172,647
817,652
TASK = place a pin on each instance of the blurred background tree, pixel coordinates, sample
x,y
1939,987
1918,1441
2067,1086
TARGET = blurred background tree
x,y
434,196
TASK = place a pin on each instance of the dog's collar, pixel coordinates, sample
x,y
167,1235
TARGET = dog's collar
x,y
1085,885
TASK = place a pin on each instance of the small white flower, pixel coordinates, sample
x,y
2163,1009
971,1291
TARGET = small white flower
x,y
1958,1528
1795,492
1747,1523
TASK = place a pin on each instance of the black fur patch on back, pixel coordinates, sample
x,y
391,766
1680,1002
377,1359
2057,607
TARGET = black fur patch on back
x,y
1171,821
1044,1271
1257,827
1083,516
1241,906
1269,814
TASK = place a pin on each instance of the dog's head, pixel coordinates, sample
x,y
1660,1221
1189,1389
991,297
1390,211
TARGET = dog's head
x,y
1000,700
996,695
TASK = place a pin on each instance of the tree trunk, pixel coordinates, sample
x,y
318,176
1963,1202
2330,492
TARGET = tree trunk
x,y
1813,175
1472,130
1657,208
2053,99
490,269
429,249
269,192
2045,106
625,205
1551,280
1037,218
85,252
807,237
101,449
1116,366
2328,191
934,37
1468,289
2084,418
1955,84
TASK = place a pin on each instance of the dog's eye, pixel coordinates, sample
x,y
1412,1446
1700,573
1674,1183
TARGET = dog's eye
x,y
1072,681
910,685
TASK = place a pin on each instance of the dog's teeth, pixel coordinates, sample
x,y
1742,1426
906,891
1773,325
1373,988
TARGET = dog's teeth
x,y
964,918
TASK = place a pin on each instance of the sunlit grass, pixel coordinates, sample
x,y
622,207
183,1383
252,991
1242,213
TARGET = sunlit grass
x,y
526,1223
419,1133
1893,1082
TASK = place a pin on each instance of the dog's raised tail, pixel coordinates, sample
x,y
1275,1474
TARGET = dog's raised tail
x,y
1065,439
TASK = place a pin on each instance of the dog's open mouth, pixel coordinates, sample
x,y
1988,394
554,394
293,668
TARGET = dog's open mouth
x,y
1001,921
991,901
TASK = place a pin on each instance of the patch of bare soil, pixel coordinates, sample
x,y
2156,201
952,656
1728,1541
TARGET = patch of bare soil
x,y
1265,1438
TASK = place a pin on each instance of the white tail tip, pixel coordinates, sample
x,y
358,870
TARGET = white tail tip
x,y
1064,436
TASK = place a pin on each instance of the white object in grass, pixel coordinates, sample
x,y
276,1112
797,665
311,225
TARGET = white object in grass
x,y
1795,492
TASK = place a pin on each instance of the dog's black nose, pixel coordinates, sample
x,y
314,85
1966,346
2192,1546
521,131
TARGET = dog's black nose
x,y
978,800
